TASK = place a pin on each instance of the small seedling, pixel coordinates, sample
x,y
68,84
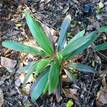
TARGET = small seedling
x,y
53,57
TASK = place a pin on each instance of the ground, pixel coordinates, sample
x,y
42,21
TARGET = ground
x,y
89,90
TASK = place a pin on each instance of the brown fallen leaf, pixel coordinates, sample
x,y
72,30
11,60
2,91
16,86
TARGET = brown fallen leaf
x,y
71,93
53,34
102,94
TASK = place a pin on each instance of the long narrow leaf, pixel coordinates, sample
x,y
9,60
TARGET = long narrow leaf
x,y
46,88
78,35
39,85
82,67
77,46
63,32
100,47
31,69
28,67
70,75
41,65
102,29
53,76
39,33
36,67
22,48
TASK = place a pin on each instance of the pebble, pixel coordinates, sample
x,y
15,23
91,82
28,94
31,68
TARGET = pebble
x,y
101,5
1,97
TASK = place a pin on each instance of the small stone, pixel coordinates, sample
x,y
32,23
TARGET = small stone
x,y
99,17
101,5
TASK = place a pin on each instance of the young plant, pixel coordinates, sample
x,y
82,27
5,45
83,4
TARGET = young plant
x,y
53,57
103,46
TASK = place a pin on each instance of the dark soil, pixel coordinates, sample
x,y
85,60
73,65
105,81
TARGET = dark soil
x,y
52,13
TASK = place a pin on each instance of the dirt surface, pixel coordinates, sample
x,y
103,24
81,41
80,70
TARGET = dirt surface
x,y
85,14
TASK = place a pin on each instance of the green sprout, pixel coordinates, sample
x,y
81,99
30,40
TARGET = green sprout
x,y
53,57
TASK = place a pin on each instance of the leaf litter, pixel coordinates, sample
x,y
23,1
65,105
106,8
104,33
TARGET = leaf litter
x,y
51,14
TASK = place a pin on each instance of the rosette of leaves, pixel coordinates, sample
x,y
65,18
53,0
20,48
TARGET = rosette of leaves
x,y
51,63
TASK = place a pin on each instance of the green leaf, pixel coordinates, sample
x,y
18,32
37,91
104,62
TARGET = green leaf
x,y
70,75
28,67
36,67
102,29
22,48
69,103
31,69
41,65
78,45
46,88
63,32
82,67
39,85
78,35
59,57
53,76
39,33
100,47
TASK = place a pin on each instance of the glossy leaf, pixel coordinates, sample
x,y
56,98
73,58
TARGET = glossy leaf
x,y
77,46
63,32
39,33
39,85
36,67
82,67
22,48
41,65
100,47
28,67
59,57
70,75
31,69
53,76
102,29
46,88
78,35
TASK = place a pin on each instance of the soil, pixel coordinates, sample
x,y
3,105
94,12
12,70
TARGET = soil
x,y
84,14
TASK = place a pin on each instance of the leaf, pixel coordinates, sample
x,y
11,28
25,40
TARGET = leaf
x,y
46,88
41,65
77,46
53,76
27,68
100,47
82,67
31,69
39,85
22,48
59,90
59,57
39,33
78,35
70,75
63,32
69,103
102,29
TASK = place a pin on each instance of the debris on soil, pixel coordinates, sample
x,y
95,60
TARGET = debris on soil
x,y
88,90
1,97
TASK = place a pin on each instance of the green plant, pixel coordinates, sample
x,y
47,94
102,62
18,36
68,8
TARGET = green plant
x,y
48,68
69,103
102,46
